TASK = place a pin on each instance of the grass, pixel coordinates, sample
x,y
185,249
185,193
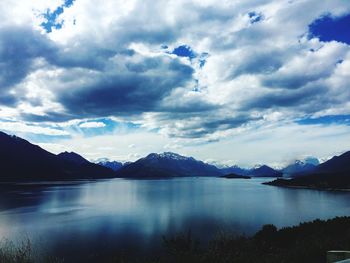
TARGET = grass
x,y
22,252
11,253
307,242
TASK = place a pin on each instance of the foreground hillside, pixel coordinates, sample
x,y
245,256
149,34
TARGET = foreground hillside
x,y
308,242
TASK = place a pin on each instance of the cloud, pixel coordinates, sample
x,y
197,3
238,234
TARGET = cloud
x,y
186,69
92,124
19,127
20,47
138,85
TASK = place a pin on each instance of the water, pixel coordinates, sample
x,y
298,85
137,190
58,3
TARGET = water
x,y
119,216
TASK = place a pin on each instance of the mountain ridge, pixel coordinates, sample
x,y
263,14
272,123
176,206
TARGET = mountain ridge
x,y
22,160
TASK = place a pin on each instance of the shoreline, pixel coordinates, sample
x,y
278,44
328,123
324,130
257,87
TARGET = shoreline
x,y
308,187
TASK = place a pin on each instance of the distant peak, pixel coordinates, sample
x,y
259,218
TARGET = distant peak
x,y
307,161
168,155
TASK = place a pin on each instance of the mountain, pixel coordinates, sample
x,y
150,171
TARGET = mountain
x,y
73,157
264,171
300,167
338,164
21,160
258,171
332,174
114,165
167,164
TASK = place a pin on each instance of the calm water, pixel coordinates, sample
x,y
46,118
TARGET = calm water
x,y
119,215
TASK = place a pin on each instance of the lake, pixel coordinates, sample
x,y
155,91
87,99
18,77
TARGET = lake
x,y
106,217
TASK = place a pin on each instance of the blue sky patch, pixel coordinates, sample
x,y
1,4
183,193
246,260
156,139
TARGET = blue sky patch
x,y
326,120
327,28
110,127
184,51
51,17
255,17
203,59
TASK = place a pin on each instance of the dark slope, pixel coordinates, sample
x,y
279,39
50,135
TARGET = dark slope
x,y
21,160
264,171
234,170
167,165
333,174
73,157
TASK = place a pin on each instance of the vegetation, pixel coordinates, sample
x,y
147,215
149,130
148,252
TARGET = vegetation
x,y
235,176
307,242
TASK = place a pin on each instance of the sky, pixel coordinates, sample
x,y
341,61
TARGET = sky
x,y
228,82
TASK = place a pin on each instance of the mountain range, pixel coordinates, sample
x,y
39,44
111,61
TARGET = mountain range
x,y
257,171
21,160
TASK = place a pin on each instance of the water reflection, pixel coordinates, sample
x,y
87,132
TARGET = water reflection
x,y
114,215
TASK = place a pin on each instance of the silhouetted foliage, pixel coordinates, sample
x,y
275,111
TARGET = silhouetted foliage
x,y
308,242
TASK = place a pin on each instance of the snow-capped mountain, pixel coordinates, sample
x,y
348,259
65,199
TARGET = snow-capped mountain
x,y
168,164
299,167
114,165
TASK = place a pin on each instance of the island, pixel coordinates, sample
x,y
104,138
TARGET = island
x,y
235,176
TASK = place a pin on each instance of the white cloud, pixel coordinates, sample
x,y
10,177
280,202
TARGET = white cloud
x,y
20,127
92,124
